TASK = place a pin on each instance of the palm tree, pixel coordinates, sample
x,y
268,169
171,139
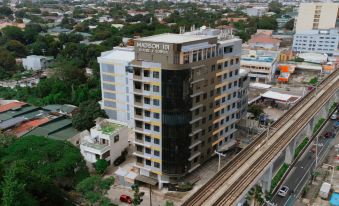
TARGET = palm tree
x,y
255,196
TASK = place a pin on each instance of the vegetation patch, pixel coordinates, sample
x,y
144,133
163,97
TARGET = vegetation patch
x,y
279,175
300,147
318,125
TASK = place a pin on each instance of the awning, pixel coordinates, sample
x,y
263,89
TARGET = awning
x,y
147,180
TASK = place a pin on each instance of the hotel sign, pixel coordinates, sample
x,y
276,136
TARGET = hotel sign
x,y
150,47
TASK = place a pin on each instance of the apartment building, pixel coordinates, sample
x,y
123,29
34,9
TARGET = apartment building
x,y
317,16
185,91
117,84
325,41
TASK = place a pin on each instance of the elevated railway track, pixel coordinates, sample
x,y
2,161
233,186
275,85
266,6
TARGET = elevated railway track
x,y
234,179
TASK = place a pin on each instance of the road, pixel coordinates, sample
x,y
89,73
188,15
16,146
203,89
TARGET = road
x,y
303,170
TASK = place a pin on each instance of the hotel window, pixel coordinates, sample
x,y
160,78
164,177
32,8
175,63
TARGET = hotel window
x,y
156,164
156,141
156,128
156,88
156,102
199,55
148,150
148,138
156,75
147,113
147,100
147,87
237,60
156,115
148,162
231,62
147,126
146,73
140,159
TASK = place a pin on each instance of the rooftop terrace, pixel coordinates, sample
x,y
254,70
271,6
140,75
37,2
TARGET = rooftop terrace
x,y
174,38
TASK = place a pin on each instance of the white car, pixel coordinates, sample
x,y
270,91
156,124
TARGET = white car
x,y
334,117
283,191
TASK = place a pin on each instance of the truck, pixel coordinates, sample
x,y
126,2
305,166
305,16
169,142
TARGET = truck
x,y
325,190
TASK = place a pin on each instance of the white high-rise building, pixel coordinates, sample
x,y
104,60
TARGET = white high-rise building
x,y
317,16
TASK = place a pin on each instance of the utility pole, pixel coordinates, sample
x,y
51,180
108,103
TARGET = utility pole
x,y
219,154
150,194
316,152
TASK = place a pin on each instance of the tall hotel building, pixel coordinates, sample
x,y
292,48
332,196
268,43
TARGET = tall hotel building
x,y
181,92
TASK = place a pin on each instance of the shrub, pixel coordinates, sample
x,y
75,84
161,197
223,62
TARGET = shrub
x,y
101,166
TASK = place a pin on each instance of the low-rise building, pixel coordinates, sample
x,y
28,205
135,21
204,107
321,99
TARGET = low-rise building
x,y
107,140
317,41
261,64
34,62
263,40
256,11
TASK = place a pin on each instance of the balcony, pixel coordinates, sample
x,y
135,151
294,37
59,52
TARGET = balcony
x,y
95,148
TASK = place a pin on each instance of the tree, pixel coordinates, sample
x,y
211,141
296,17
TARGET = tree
x,y
256,110
275,6
169,203
290,24
5,11
94,189
41,166
7,62
255,195
17,48
137,195
267,22
101,166
13,33
6,140
88,112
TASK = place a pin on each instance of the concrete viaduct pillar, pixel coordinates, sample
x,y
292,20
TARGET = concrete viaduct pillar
x,y
267,179
289,152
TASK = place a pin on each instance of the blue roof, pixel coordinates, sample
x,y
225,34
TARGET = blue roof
x,y
334,201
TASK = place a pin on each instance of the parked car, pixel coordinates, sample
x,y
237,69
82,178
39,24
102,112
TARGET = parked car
x,y
119,160
283,191
125,198
328,135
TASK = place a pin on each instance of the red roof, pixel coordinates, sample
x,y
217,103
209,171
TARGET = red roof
x,y
11,105
25,127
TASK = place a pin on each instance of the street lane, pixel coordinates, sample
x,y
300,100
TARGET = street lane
x,y
302,171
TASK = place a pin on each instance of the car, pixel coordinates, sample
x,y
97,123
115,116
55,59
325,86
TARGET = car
x,y
283,191
328,134
119,160
125,198
334,117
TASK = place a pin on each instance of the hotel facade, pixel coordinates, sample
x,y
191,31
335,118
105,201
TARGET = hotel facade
x,y
182,99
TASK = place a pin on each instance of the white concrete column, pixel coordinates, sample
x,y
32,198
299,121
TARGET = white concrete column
x,y
267,179
289,153
309,127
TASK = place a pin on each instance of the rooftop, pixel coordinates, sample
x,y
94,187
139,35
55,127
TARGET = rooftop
x,y
118,53
109,128
174,38
11,105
